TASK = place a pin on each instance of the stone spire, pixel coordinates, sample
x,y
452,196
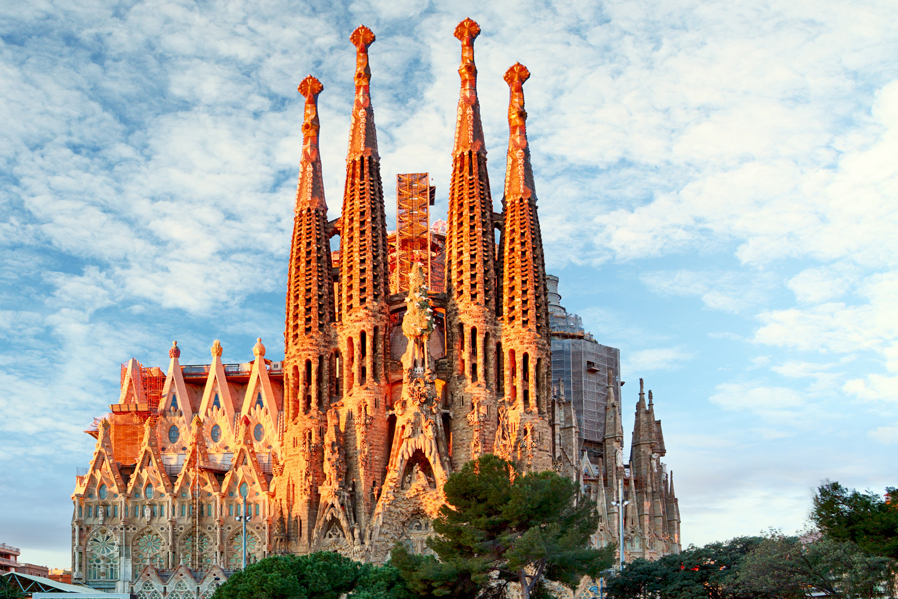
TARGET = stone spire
x,y
471,269
363,225
525,315
524,273
310,303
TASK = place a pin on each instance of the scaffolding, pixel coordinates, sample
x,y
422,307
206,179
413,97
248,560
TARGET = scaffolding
x,y
412,245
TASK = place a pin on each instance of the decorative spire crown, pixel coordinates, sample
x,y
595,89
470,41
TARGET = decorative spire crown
x,y
258,348
217,349
310,191
362,138
468,127
175,351
519,173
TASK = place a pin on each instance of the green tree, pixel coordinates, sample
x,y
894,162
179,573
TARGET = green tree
x,y
320,575
793,567
9,589
697,572
500,526
866,519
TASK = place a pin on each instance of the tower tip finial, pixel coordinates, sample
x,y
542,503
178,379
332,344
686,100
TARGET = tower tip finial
x,y
362,37
175,351
516,72
641,386
310,87
216,349
467,29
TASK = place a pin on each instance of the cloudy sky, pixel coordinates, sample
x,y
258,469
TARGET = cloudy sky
x,y
717,182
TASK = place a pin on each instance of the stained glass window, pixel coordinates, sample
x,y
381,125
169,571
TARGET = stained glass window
x,y
174,402
215,402
258,432
102,491
204,555
102,556
148,492
259,403
235,550
216,433
148,550
173,434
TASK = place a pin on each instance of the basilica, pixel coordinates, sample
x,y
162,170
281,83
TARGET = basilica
x,y
407,354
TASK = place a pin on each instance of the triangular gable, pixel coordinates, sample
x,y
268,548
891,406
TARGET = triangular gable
x,y
149,456
151,575
217,383
196,460
259,383
244,465
182,572
176,388
132,390
103,461
214,578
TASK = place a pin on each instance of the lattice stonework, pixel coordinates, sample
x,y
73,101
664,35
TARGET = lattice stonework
x,y
235,550
102,556
199,557
148,591
182,591
147,550
413,196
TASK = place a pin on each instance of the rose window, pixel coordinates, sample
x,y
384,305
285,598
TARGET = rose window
x,y
102,557
235,550
148,550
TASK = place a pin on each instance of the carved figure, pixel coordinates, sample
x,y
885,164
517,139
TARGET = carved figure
x,y
418,324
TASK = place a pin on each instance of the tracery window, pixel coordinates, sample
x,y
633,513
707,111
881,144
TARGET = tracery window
x,y
235,550
102,556
181,591
205,555
147,551
211,590
148,591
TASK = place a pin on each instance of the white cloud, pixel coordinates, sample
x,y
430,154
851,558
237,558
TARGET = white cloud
x,y
659,358
887,435
727,291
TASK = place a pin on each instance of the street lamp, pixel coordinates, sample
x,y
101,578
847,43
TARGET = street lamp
x,y
620,512
244,491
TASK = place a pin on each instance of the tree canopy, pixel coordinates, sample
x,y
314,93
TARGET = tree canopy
x,y
867,519
320,575
500,526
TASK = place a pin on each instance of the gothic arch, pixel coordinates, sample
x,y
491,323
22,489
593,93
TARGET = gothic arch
x,y
147,549
188,552
102,555
234,549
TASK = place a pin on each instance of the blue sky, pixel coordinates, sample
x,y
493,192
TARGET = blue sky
x,y
717,183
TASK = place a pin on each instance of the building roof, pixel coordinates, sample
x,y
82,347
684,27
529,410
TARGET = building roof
x,y
38,584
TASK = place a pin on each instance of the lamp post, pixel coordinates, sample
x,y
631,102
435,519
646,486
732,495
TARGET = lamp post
x,y
620,513
244,491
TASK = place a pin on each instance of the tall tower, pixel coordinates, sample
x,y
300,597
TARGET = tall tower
x,y
524,431
363,314
308,361
471,289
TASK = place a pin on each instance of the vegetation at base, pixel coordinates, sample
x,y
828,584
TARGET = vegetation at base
x,y
500,526
851,555
9,589
321,575
866,519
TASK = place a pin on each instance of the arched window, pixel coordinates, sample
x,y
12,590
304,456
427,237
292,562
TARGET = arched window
x,y
259,403
215,402
148,491
102,491
147,550
102,556
174,402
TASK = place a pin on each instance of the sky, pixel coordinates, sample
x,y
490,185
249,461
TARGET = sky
x,y
717,185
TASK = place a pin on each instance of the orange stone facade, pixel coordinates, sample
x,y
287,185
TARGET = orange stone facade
x,y
346,444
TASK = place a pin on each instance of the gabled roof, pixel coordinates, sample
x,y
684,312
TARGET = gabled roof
x,y
103,456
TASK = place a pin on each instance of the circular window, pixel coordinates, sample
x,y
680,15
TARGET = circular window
x,y
148,492
173,434
244,489
102,491
216,433
258,432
